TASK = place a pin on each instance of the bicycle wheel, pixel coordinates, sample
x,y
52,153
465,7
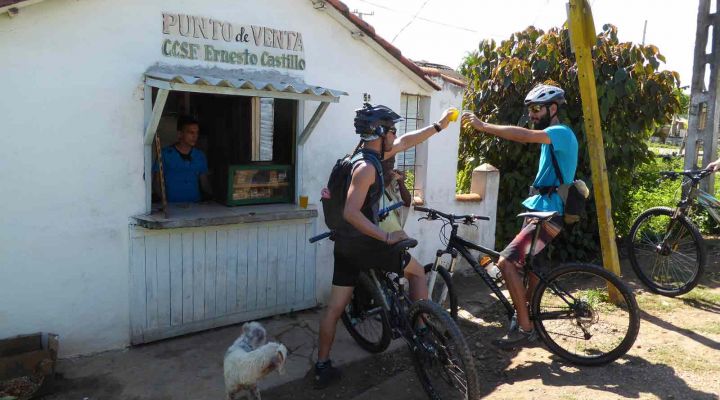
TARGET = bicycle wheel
x,y
441,357
365,318
575,316
443,292
667,254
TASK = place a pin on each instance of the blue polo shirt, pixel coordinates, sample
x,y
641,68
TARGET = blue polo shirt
x,y
566,152
182,175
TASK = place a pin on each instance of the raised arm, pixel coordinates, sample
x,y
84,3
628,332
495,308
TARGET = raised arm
x,y
508,132
414,138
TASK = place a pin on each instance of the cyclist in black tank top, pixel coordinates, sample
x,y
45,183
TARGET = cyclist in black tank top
x,y
362,244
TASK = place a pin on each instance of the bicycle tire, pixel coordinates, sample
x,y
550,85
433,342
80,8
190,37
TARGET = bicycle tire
x,y
448,347
450,303
662,278
367,298
564,327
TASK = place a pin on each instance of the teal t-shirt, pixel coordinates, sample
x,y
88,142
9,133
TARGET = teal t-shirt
x,y
566,152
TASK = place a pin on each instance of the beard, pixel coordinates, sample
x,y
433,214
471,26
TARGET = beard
x,y
543,123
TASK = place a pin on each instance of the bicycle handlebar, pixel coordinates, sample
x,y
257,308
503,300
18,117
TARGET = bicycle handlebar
x,y
694,174
320,237
433,214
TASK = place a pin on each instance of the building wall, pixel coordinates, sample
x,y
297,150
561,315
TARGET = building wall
x,y
440,184
72,165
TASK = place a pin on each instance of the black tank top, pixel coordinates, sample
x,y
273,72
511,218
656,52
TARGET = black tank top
x,y
371,206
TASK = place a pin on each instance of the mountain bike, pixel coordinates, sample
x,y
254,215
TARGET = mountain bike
x,y
666,250
380,311
582,312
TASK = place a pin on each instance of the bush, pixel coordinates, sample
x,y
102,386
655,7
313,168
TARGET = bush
x,y
634,98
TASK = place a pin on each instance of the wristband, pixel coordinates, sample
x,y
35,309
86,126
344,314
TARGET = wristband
x,y
437,126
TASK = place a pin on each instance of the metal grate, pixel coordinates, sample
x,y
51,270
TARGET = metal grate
x,y
406,161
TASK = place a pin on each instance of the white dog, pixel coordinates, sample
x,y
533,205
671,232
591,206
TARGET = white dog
x,y
250,359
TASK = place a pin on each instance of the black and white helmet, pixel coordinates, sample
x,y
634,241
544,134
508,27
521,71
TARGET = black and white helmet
x,y
544,94
370,119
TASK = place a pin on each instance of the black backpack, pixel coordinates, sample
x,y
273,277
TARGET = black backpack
x,y
339,183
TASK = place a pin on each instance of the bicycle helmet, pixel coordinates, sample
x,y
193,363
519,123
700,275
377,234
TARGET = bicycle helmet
x,y
371,122
544,94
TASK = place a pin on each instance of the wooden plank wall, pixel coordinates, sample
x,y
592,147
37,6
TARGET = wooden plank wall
x,y
188,280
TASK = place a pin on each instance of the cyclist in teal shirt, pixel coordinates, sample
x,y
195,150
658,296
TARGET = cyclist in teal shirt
x,y
184,167
543,103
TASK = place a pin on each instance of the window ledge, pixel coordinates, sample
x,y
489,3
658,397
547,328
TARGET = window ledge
x,y
469,197
212,214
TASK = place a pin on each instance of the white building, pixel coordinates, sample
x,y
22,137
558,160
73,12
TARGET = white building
x,y
85,86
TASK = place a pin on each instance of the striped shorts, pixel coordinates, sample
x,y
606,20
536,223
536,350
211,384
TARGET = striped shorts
x,y
518,249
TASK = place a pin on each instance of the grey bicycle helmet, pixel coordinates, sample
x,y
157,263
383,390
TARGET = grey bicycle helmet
x,y
372,120
544,94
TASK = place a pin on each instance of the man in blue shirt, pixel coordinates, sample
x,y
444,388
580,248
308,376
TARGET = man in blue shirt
x,y
543,103
184,167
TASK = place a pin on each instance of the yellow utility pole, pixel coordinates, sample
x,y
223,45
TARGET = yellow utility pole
x,y
582,38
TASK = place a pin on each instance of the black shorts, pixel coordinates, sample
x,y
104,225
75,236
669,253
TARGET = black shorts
x,y
361,254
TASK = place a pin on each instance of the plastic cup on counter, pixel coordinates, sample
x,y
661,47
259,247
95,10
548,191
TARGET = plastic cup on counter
x,y
303,201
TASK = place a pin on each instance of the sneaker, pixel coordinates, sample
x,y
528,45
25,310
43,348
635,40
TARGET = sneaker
x,y
515,339
326,375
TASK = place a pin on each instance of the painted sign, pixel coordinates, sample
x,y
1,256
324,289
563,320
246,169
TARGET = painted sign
x,y
191,37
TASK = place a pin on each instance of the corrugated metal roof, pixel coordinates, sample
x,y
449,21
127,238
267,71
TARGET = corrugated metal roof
x,y
249,80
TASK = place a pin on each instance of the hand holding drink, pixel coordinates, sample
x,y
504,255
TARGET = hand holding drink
x,y
471,121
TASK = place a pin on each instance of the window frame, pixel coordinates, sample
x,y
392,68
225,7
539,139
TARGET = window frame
x,y
153,113
419,152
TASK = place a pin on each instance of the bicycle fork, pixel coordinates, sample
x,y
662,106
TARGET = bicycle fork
x,y
433,273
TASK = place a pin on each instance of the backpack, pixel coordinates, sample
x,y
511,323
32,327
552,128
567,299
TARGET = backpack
x,y
572,194
339,183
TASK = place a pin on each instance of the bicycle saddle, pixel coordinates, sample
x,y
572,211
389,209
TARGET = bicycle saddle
x,y
406,244
541,215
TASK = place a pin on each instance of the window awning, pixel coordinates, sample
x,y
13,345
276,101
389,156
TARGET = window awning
x,y
238,82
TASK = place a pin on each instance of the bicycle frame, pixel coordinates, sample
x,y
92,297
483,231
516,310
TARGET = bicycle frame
x,y
457,245
395,303
708,202
704,199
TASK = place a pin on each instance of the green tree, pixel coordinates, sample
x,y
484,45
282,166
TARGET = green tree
x,y
684,100
634,97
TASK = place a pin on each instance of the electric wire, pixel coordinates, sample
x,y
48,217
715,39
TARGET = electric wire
x,y
411,20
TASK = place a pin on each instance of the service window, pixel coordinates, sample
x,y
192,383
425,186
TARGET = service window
x,y
248,142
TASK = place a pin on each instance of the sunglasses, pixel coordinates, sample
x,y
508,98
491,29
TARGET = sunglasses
x,y
392,130
535,108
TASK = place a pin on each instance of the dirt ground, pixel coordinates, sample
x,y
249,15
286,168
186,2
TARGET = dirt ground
x,y
676,355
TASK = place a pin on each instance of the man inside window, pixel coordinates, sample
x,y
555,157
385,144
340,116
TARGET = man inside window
x,y
184,167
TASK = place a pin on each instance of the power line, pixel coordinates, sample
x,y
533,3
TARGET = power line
x,y
432,21
411,20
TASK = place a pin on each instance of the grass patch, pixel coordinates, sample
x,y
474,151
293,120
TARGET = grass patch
x,y
677,357
594,297
653,146
653,302
712,328
702,294
568,397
